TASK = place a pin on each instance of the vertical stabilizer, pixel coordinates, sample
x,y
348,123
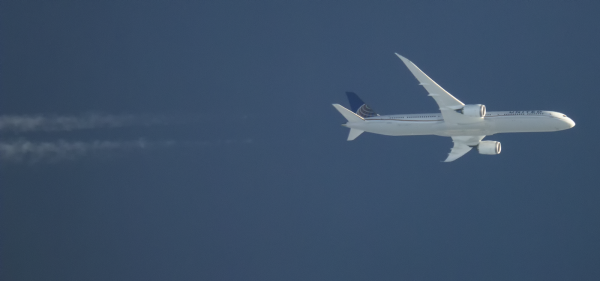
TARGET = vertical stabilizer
x,y
360,107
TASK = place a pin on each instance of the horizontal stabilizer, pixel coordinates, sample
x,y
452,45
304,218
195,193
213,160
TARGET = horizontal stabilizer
x,y
354,133
349,115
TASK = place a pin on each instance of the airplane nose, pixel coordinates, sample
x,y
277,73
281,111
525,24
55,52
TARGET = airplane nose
x,y
569,122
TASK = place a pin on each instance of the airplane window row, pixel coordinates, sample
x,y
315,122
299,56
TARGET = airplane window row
x,y
414,117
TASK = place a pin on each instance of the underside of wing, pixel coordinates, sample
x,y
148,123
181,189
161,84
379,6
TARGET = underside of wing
x,y
447,103
458,151
462,145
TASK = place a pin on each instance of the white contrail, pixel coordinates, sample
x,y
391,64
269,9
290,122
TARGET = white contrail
x,y
24,151
28,123
27,151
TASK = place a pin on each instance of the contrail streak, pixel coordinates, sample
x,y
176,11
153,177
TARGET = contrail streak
x,y
30,123
27,151
24,151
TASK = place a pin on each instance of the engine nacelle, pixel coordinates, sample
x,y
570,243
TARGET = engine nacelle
x,y
473,110
489,147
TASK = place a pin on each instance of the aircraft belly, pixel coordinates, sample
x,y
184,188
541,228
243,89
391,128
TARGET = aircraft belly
x,y
399,128
469,129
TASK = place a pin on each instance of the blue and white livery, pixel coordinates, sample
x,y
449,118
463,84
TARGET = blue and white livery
x,y
466,124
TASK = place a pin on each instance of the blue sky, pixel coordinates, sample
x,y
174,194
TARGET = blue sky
x,y
233,164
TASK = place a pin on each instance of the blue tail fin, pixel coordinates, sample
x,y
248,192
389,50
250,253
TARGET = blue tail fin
x,y
360,107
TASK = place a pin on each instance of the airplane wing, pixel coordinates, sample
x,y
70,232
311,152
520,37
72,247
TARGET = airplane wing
x,y
462,145
446,102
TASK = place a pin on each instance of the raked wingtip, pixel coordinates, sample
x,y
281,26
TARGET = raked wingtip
x,y
401,57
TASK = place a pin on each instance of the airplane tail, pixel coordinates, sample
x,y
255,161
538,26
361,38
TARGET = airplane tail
x,y
360,107
354,133
351,117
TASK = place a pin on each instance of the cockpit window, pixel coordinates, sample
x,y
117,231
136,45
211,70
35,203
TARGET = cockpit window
x,y
564,115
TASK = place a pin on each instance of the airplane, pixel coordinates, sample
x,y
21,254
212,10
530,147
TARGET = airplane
x,y
466,124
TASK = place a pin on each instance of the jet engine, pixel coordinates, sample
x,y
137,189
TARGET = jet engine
x,y
473,110
489,147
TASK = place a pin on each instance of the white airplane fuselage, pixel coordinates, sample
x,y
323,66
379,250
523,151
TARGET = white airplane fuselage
x,y
494,122
466,124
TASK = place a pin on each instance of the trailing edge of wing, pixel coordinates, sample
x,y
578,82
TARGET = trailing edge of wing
x,y
446,102
462,145
441,96
458,151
